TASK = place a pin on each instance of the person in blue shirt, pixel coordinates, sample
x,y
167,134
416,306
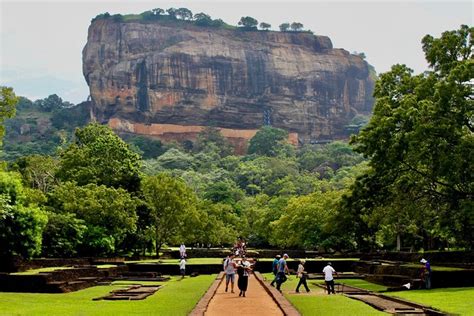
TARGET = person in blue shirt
x,y
282,272
275,269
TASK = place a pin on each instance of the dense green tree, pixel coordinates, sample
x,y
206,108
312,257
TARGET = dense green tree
x,y
223,191
99,156
420,138
184,14
63,235
8,101
172,205
38,171
70,117
148,147
210,139
218,224
202,19
51,103
248,22
108,213
158,11
175,159
284,27
171,12
268,141
306,217
265,26
21,224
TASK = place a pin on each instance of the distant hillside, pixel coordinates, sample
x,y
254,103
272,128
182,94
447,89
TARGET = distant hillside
x,y
40,127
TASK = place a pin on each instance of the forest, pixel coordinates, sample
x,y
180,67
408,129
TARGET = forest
x,y
403,182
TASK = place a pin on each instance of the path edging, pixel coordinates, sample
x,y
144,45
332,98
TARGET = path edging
x,y
286,307
203,303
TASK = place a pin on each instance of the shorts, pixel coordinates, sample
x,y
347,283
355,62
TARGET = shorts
x,y
183,271
230,277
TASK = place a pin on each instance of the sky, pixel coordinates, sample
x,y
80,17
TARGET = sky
x,y
42,41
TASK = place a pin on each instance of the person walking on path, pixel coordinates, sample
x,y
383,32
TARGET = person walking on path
x,y
182,267
301,274
426,273
282,271
243,271
328,277
275,269
182,251
229,269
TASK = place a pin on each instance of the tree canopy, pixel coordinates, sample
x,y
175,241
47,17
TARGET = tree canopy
x,y
99,156
420,140
248,22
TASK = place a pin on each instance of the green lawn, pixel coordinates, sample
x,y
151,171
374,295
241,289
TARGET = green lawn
x,y
362,284
36,271
326,305
452,300
194,261
50,269
177,297
434,268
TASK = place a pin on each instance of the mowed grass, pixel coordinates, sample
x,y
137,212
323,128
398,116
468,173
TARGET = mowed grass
x,y
458,301
51,269
324,305
176,261
177,297
434,268
362,284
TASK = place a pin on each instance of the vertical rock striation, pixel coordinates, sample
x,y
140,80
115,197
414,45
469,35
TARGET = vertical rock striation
x,y
181,74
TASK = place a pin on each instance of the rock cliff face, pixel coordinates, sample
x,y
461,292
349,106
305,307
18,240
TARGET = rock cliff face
x,y
168,75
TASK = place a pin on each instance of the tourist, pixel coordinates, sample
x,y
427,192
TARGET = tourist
x,y
426,273
229,269
328,277
302,275
182,251
182,267
275,269
243,271
282,271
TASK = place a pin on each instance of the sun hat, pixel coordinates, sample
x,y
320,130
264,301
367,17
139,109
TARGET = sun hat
x,y
423,260
285,255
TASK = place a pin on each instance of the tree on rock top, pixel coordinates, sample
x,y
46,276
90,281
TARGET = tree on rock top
x,y
248,22
265,26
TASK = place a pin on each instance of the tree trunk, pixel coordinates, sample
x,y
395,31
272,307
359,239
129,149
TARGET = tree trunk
x,y
399,242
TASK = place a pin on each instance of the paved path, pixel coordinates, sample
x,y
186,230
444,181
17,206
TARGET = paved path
x,y
256,302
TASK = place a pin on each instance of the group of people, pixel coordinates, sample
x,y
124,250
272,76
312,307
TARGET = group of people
x,y
240,247
242,268
280,270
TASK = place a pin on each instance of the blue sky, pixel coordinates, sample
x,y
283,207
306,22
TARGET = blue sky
x,y
41,41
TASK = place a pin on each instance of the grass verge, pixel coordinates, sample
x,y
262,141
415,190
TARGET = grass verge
x,y
325,305
177,297
458,301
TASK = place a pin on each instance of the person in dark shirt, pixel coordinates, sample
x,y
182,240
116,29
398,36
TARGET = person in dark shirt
x,y
275,269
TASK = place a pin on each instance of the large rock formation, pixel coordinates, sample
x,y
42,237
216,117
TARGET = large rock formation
x,y
171,75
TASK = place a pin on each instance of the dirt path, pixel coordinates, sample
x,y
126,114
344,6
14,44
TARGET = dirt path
x,y
256,302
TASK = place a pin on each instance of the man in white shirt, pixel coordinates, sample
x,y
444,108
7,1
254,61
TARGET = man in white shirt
x,y
182,267
182,251
328,272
